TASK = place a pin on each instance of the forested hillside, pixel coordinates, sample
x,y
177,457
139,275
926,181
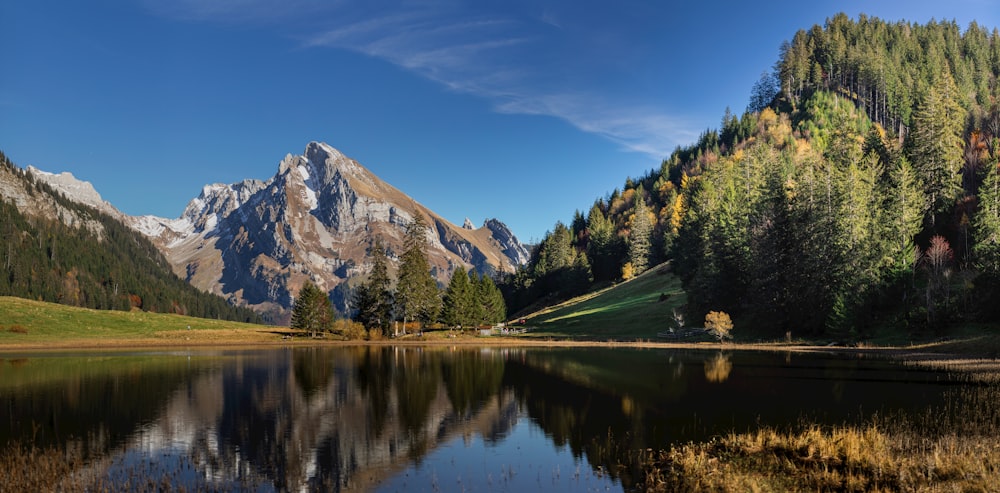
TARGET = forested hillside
x,y
108,266
859,190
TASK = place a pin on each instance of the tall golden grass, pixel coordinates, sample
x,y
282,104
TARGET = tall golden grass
x,y
953,448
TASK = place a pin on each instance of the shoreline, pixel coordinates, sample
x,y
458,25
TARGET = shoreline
x,y
281,338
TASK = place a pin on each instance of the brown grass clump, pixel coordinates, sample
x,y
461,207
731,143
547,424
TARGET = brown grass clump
x,y
32,469
17,329
846,458
956,448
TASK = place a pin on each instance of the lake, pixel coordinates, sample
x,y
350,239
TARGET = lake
x,y
422,418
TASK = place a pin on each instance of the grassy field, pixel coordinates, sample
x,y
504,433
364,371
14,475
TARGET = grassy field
x,y
26,323
635,309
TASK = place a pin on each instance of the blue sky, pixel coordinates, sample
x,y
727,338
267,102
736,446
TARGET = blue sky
x,y
520,110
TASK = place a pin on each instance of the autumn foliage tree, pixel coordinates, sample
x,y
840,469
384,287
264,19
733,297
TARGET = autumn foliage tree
x,y
719,324
937,261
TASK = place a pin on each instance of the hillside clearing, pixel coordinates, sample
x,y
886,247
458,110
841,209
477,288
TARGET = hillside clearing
x,y
635,309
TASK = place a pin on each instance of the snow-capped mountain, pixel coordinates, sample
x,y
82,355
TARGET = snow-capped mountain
x,y
256,242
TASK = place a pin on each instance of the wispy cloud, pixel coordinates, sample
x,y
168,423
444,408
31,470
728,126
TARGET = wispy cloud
x,y
492,55
635,128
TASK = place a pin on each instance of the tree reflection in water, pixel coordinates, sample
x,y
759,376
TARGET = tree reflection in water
x,y
717,368
349,418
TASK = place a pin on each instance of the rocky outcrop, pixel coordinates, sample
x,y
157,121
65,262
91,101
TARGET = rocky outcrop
x,y
507,242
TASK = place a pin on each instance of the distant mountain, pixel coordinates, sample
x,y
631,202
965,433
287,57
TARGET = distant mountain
x,y
60,242
256,242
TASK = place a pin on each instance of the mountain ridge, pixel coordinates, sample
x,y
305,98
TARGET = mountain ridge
x,y
255,242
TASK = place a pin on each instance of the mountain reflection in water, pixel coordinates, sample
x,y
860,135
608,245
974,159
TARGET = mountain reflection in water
x,y
434,418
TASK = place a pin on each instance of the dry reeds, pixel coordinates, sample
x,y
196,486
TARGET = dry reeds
x,y
952,449
27,468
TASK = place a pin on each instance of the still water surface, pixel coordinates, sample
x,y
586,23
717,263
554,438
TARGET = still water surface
x,y
424,419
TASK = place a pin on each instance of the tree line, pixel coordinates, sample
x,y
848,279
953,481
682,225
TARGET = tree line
x,y
119,269
858,190
469,300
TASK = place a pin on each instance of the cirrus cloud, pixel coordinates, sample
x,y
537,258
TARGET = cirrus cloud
x,y
508,58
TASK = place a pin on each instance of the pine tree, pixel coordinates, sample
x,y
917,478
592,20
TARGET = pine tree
x,y
417,296
490,301
374,297
639,246
935,145
555,252
312,311
458,300
986,223
905,208
601,247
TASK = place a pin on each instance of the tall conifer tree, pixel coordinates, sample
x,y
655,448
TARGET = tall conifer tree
x,y
312,311
374,298
935,145
417,293
639,235
458,300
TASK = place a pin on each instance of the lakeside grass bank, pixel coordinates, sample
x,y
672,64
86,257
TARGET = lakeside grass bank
x,y
27,325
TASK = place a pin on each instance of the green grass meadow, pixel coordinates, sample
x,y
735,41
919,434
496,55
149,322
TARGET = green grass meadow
x,y
635,309
33,322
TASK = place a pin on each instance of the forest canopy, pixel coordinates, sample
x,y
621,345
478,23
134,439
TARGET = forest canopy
x,y
859,190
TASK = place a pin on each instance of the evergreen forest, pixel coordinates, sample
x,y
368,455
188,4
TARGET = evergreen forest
x,y
859,191
44,259
470,299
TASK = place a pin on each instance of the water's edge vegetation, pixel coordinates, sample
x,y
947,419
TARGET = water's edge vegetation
x,y
950,448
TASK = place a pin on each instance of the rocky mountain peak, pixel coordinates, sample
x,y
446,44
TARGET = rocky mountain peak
x,y
75,189
218,199
512,248
256,242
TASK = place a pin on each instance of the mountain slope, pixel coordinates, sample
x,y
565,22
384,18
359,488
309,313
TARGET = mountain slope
x,y
59,250
857,194
256,242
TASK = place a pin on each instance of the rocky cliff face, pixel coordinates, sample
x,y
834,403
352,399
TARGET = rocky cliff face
x,y
256,242
16,187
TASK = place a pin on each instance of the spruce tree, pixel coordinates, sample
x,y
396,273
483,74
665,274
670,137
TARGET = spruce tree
x,y
905,208
374,297
601,247
986,223
417,294
935,144
458,300
312,311
491,301
639,246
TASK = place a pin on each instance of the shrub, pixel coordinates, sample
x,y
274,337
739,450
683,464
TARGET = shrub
x,y
350,329
628,271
